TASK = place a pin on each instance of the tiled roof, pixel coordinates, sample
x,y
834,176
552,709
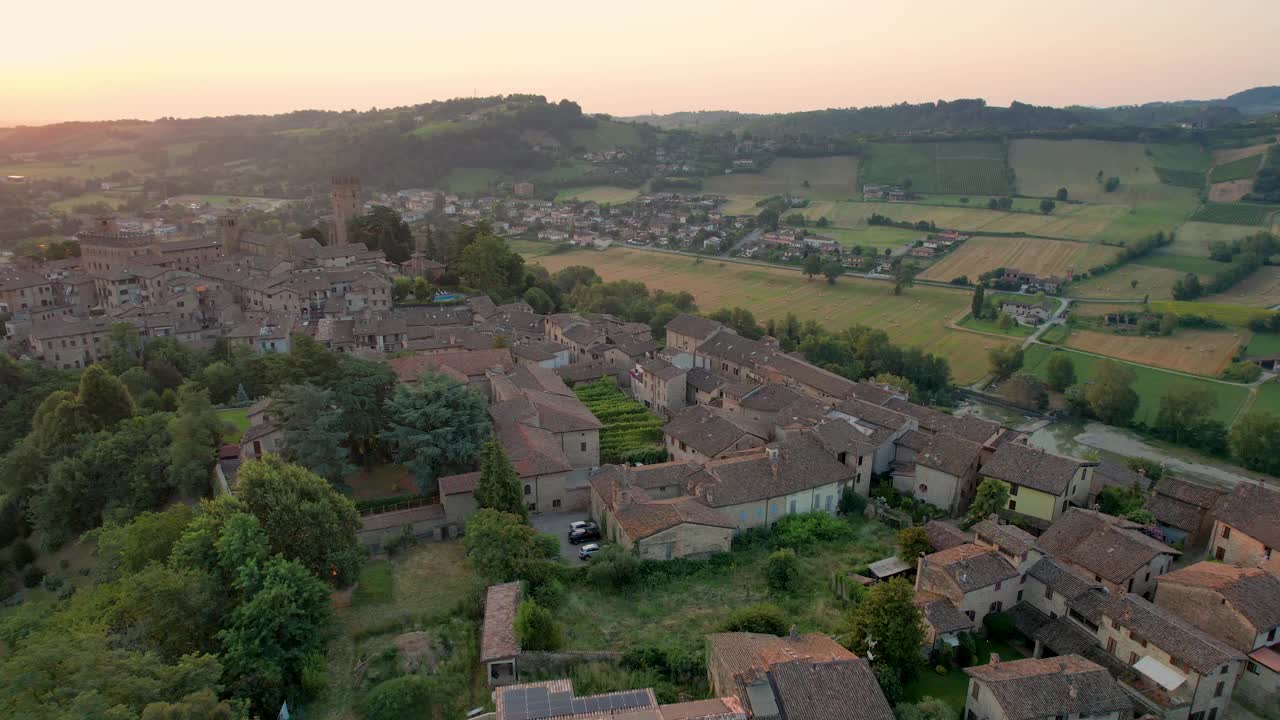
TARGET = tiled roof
x,y
735,348
798,464
1060,578
808,690
742,652
884,417
463,483
646,477
944,536
941,614
1169,632
661,369
1252,510
950,454
1253,592
704,380
727,708
693,326
1007,537
812,376
769,398
1105,545
1113,474
1182,504
1033,468
838,436
913,440
972,567
704,430
498,637
1043,687
642,519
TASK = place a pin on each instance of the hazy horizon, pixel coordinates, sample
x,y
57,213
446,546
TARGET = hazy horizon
x,y
149,61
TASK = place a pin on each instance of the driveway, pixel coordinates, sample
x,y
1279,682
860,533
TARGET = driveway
x,y
557,524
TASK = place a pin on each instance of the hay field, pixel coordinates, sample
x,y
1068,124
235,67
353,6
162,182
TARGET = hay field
x,y
600,194
855,214
1079,222
1043,166
829,178
916,318
1261,289
1193,238
1118,284
1042,257
1200,352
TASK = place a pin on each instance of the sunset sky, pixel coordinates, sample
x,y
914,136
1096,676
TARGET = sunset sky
x,y
145,59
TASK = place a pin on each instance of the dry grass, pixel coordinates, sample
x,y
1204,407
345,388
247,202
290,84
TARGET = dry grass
x,y
1118,284
1261,289
1042,257
1222,157
1201,352
1230,191
831,178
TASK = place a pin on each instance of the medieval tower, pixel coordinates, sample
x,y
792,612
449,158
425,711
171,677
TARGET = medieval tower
x,y
348,204
229,230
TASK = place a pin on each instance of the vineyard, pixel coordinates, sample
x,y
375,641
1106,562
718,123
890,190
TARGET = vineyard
x,y
1235,213
1181,178
1245,167
631,433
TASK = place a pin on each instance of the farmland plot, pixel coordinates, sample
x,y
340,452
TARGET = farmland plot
x,y
828,178
1042,257
1236,213
1043,166
1200,352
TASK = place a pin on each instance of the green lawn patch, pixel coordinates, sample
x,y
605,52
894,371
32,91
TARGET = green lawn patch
x,y
607,135
990,326
1268,399
236,421
1263,344
1234,315
1242,169
1202,266
1149,383
376,584
1181,156
953,686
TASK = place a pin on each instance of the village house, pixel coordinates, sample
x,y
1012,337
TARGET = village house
x,y
556,700
1239,606
1065,687
699,434
1245,530
975,579
262,436
1184,510
470,367
1027,313
1113,551
645,509
660,386
1042,485
944,473
499,644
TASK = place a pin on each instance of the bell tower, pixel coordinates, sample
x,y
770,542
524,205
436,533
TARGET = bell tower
x,y
348,204
229,231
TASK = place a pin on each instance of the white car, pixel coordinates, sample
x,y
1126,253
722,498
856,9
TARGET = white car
x,y
577,524
586,551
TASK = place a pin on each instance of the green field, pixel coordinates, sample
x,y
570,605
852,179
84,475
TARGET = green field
x,y
1182,156
471,181
950,168
1242,169
236,421
1073,222
1235,213
1263,344
1268,398
443,127
872,237
829,178
83,169
1202,266
1150,384
600,194
1193,179
1194,238
565,173
1043,166
113,199
607,135
916,318
1016,330
1234,315
1153,207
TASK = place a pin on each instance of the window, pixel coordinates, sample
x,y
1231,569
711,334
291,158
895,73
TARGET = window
x,y
1253,668
1111,645
1266,552
792,509
1019,596
1223,671
1271,635
970,614
555,503
999,583
533,507
996,606
1048,593
1213,713
1217,689
1220,553
1013,489
1022,579
971,716
923,488
842,457
1013,505
582,447
528,489
742,516
1133,658
1148,578
1226,531
759,513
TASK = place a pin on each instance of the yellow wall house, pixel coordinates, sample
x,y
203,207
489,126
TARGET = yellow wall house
x,y
1042,485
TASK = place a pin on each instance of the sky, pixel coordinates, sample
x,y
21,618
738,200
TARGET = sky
x,y
90,60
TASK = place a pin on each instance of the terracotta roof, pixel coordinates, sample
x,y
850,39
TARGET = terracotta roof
x,y
1060,578
1252,510
944,536
972,567
642,519
873,393
498,636
693,326
1033,468
538,351
796,464
470,363
733,347
913,440
1170,633
704,430
725,708
769,398
1064,685
811,376
838,435
661,369
1181,504
512,702
743,652
1253,592
463,483
808,690
1102,544
1006,537
1116,475
943,616
950,454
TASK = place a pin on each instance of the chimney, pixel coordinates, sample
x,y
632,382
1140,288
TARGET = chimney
x,y
771,453
995,658
794,633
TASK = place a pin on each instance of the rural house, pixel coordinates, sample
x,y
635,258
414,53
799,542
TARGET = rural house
x,y
1041,485
660,386
975,579
1068,686
1245,530
1184,510
646,509
1113,551
499,646
699,434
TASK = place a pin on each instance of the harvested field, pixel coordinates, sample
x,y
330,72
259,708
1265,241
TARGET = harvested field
x,y
1232,191
1230,155
741,205
1043,166
1078,222
1200,352
855,214
1194,238
1118,283
1042,257
1260,289
916,318
829,178
600,194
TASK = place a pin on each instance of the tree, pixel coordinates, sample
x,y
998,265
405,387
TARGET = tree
x,y
743,321
765,618
303,517
1110,395
1120,500
360,395
903,276
222,381
401,697
1027,390
1062,194
1005,360
1112,184
491,265
499,544
435,427
1183,410
991,497
899,382
888,617
978,304
422,290
912,543
782,571
832,270
200,705
401,287
767,219
1187,288
313,436
499,486
122,347
197,433
105,399
1047,206
1255,441
812,264
929,708
383,229
1060,371
539,300
536,628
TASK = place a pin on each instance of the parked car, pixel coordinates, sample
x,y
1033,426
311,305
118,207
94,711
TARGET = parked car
x,y
586,551
588,532
578,524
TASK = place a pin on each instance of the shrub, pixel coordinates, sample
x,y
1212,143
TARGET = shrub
x,y
940,669
802,531
549,594
52,583
614,567
764,618
21,553
536,628
1242,372
851,503
782,571
32,576
405,539
403,697
999,626
967,650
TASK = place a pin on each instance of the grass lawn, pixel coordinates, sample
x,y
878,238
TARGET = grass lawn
x,y
532,248
375,584
1268,399
828,178
606,135
872,237
683,610
1263,344
1043,166
99,166
565,173
115,200
236,421
1150,383
918,317
989,326
953,686
1194,238
1235,315
1245,167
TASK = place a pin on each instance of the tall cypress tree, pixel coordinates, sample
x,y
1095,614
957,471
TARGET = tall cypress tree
x,y
978,300
499,486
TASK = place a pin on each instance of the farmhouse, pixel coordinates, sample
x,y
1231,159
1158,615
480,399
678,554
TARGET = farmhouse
x,y
1066,686
1028,313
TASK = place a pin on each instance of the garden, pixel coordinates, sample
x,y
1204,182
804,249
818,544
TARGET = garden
x,y
631,433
